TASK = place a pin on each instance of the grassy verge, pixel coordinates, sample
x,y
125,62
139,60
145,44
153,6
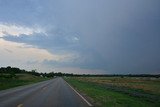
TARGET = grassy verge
x,y
21,79
104,97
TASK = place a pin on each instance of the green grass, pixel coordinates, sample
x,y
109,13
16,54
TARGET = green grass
x,y
146,84
20,79
103,97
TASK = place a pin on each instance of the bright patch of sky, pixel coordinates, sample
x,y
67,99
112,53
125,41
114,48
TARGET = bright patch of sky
x,y
19,53
17,30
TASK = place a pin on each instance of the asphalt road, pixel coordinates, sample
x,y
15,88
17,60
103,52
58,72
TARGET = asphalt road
x,y
52,93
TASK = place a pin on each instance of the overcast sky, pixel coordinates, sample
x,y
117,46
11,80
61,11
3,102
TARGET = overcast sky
x,y
81,36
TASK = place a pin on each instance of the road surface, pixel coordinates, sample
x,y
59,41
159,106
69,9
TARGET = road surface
x,y
51,93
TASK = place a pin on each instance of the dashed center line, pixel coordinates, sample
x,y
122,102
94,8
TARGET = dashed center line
x,y
44,88
20,105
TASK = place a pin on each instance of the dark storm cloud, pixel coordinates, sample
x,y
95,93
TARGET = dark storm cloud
x,y
119,36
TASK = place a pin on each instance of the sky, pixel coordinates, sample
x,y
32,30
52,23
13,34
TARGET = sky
x,y
81,36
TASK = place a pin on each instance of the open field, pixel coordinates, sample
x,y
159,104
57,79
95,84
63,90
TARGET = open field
x,y
119,92
18,80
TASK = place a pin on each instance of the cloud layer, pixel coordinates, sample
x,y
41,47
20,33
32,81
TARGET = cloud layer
x,y
15,30
104,36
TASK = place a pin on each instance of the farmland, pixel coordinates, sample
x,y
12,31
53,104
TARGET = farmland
x,y
13,77
18,80
119,91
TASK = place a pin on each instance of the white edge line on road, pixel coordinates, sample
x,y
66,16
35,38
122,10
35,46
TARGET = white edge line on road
x,y
79,95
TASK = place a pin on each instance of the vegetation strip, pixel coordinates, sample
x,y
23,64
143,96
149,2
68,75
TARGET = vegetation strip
x,y
107,97
13,77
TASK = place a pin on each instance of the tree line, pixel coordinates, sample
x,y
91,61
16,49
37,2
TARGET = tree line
x,y
13,70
